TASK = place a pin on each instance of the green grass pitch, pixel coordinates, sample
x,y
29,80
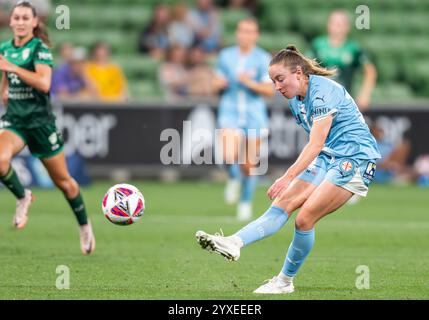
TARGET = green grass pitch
x,y
158,258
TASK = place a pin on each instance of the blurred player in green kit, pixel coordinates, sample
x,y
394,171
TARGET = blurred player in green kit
x,y
336,50
26,63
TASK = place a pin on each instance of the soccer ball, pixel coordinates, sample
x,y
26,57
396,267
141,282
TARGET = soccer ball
x,y
123,204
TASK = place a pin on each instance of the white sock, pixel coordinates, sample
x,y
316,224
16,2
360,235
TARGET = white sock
x,y
285,278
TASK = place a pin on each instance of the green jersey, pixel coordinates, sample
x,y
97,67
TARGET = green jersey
x,y
27,107
347,58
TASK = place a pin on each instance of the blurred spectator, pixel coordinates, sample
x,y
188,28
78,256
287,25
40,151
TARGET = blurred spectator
x,y
206,24
5,7
250,6
336,50
393,164
180,31
66,53
69,81
200,75
173,76
421,166
107,76
154,39
43,8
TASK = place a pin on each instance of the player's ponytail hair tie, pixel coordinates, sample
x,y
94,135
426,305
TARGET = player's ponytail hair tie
x,y
292,48
292,58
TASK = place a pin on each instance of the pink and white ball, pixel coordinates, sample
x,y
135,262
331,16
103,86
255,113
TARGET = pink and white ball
x,y
123,204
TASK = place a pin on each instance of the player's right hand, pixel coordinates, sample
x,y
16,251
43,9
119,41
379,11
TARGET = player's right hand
x,y
279,186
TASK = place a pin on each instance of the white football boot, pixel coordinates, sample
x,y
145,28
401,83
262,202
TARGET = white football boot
x,y
87,239
244,211
276,285
232,191
20,218
225,246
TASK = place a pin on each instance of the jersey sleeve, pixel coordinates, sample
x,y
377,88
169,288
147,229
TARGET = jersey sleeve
x,y
1,49
42,55
221,66
324,103
263,75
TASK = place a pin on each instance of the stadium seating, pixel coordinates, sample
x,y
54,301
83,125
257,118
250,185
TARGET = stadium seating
x,y
398,49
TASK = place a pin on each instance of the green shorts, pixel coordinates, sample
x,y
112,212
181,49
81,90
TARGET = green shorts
x,y
44,142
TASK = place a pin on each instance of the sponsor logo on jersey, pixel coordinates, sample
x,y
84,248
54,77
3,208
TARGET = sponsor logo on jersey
x,y
320,111
25,53
45,56
320,98
13,78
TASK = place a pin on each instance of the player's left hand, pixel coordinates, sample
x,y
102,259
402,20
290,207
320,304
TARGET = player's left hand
x,y
279,185
5,65
245,79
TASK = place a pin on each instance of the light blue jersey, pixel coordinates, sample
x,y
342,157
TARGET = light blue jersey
x,y
349,156
349,135
239,106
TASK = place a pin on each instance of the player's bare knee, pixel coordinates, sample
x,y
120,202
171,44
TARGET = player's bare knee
x,y
68,186
288,204
304,222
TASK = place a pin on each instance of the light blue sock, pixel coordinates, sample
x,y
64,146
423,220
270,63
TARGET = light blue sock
x,y
298,250
266,225
234,171
248,186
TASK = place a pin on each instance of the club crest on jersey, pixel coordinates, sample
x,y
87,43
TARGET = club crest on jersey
x,y
53,138
25,53
346,167
370,171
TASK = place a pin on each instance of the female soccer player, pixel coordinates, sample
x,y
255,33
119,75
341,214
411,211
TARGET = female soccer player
x,y
26,63
242,75
338,161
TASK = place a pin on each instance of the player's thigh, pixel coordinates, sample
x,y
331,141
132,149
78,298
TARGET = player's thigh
x,y
11,143
326,198
57,167
304,185
231,141
252,154
295,195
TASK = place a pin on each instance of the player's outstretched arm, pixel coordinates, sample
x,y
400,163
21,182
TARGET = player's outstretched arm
x,y
40,79
363,99
319,133
4,87
263,88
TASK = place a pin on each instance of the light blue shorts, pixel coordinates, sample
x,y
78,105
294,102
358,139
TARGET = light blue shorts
x,y
354,175
252,127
